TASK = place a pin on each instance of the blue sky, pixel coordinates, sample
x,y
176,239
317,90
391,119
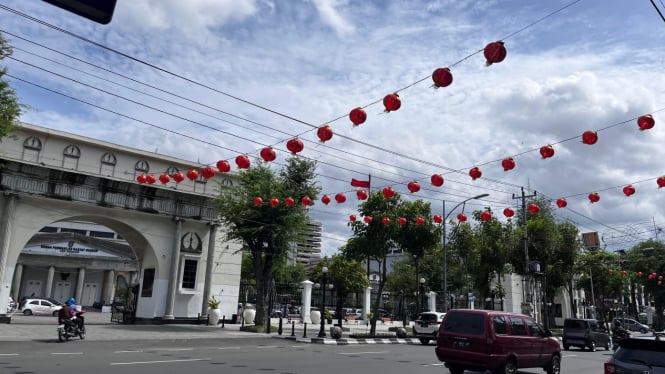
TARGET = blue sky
x,y
590,66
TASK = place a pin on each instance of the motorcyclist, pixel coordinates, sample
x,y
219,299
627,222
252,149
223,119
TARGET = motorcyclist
x,y
65,317
79,320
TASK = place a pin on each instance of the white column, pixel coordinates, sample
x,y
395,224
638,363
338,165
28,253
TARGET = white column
x,y
6,222
49,281
208,274
18,275
79,286
367,300
432,301
306,301
173,273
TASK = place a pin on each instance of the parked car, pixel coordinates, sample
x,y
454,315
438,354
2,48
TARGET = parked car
x,y
12,305
639,355
426,326
632,325
585,333
41,306
502,342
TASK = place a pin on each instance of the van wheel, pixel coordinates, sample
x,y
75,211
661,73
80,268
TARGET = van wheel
x,y
509,368
456,370
592,347
555,366
607,345
424,341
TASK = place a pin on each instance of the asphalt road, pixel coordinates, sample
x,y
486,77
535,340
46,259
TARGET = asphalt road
x,y
239,355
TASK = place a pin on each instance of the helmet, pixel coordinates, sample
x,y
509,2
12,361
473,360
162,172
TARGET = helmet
x,y
71,301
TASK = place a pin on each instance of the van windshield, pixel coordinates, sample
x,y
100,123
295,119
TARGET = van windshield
x,y
465,323
574,324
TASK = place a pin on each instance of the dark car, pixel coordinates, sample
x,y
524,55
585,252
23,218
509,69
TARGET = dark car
x,y
502,342
632,325
585,333
639,355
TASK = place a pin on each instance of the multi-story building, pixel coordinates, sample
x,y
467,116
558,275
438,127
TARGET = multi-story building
x,y
308,250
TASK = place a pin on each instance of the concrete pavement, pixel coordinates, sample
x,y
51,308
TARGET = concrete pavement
x,y
100,328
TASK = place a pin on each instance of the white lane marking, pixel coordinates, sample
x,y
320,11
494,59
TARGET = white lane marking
x,y
9,354
298,346
178,349
127,351
229,348
159,362
66,353
360,353
266,346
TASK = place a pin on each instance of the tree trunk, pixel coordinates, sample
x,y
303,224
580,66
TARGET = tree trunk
x,y
377,303
571,298
340,303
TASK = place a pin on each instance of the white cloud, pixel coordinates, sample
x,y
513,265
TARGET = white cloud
x,y
329,12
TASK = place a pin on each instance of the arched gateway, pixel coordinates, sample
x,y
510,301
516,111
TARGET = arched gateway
x,y
178,258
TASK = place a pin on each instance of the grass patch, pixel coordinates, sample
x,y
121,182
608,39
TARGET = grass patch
x,y
257,328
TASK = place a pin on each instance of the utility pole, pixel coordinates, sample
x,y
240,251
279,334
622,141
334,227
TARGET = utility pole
x,y
527,291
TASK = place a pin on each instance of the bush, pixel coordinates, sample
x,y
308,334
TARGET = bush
x,y
213,303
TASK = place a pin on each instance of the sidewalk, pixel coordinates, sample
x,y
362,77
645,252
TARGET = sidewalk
x,y
100,327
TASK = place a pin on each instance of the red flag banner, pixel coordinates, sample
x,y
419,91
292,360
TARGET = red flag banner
x,y
357,183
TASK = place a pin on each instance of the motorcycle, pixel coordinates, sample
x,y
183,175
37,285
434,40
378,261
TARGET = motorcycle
x,y
619,334
66,331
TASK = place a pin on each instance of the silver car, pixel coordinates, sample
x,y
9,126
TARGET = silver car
x,y
40,307
632,325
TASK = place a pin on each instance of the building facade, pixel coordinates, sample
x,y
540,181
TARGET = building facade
x,y
308,251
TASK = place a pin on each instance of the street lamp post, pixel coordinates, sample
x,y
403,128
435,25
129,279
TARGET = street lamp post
x,y
324,280
422,295
444,281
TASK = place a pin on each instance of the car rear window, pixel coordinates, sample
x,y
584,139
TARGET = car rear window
x,y
465,323
646,352
574,324
427,317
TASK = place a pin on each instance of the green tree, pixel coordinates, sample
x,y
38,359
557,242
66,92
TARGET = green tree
x,y
594,268
266,232
647,258
561,266
10,108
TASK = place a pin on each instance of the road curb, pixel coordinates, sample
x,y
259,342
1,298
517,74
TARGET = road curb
x,y
350,341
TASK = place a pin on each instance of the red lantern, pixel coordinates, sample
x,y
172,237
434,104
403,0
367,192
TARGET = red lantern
x,y
340,198
243,162
508,163
546,151
624,273
141,179
402,221
274,202
268,154
151,179
413,186
461,217
164,178
223,166
295,145
508,212
660,277
325,199
289,201
645,122
610,271
178,176
352,218
388,192
594,197
589,137
437,180
306,201
437,218
385,220
324,133
258,201
640,274
208,172
358,116
192,175
660,283
475,173
650,276
361,194
368,220
442,77
534,208
494,52
561,202
629,190
392,102
661,181
486,216
420,220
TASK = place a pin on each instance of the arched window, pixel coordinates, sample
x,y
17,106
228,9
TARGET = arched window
x,y
107,166
31,148
71,156
141,167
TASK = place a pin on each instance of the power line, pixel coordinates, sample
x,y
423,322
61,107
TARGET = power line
x,y
658,10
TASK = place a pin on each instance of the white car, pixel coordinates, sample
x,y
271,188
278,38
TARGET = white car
x,y
426,326
40,307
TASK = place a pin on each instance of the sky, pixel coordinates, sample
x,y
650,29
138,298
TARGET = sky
x,y
239,75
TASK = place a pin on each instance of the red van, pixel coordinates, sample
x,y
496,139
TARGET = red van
x,y
502,342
